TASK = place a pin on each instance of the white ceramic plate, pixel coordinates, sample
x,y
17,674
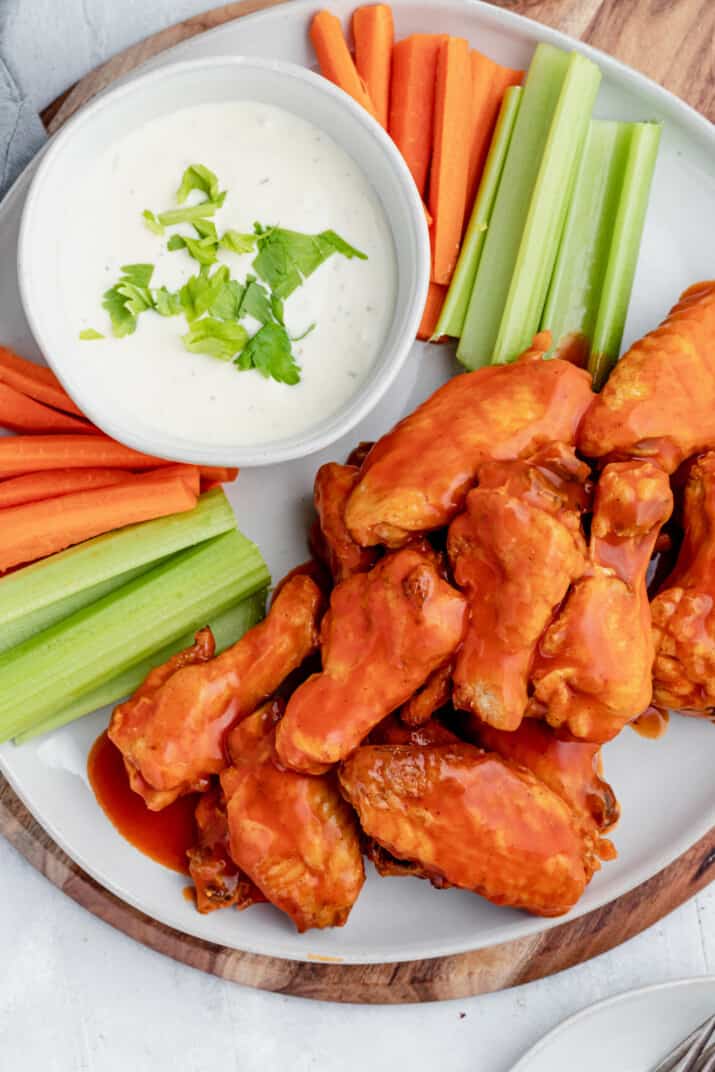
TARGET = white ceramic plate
x,y
632,1032
665,787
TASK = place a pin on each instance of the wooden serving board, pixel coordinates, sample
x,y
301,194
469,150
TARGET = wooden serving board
x,y
670,43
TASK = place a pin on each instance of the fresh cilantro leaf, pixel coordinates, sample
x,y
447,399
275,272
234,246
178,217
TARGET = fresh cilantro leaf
x,y
206,229
269,351
237,242
197,177
167,302
256,302
191,212
286,258
152,222
123,322
90,333
277,307
217,338
138,274
227,302
202,250
200,292
136,299
176,242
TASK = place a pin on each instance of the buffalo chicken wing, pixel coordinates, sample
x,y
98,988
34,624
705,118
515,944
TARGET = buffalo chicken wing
x,y
291,833
472,820
416,478
171,731
333,486
592,671
385,632
217,881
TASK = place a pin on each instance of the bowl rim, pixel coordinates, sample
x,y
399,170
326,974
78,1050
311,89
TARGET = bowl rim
x,y
200,452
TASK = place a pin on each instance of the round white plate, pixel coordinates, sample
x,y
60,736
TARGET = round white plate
x,y
632,1032
665,787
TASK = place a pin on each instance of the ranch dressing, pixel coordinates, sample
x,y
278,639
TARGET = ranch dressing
x,y
277,169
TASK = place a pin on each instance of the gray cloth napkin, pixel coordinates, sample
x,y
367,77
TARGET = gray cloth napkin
x,y
21,130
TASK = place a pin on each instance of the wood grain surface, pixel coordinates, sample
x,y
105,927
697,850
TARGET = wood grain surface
x,y
672,42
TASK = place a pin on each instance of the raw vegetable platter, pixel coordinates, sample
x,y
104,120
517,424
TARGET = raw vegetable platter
x,y
665,787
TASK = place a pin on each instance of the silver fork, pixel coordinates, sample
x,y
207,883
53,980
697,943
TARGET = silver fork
x,y
693,1054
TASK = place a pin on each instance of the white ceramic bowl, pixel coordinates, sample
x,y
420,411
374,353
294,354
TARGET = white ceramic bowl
x,y
46,226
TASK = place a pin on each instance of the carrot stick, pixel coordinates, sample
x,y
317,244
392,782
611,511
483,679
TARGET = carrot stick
x,y
34,454
34,487
374,35
38,529
489,84
414,64
335,60
22,414
222,474
450,157
433,307
190,474
36,381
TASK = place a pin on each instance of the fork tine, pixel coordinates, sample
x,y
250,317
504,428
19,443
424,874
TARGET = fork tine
x,y
707,1061
683,1057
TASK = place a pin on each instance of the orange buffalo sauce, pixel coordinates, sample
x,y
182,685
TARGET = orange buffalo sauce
x,y
165,835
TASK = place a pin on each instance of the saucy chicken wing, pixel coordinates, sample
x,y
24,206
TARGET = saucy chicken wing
x,y
333,486
217,881
514,551
385,632
472,820
435,693
573,769
291,833
659,401
684,609
171,731
416,478
592,671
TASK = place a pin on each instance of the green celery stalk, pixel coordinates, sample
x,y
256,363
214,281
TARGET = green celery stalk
x,y
522,241
35,597
593,276
54,668
454,309
625,246
227,628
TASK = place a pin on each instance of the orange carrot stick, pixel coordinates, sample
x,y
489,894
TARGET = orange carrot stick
x,y
433,307
335,60
190,474
450,158
34,454
414,64
374,34
38,529
489,83
221,474
22,414
36,381
33,487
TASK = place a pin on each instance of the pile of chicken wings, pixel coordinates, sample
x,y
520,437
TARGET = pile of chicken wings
x,y
434,690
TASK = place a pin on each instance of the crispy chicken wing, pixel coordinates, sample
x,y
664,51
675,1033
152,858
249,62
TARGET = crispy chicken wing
x,y
385,633
659,402
333,486
514,552
435,693
573,769
171,731
292,833
684,609
392,730
417,476
592,671
218,882
472,820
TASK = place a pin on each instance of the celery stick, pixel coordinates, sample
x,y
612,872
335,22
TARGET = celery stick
x,y
37,596
227,628
625,246
574,296
522,241
54,668
454,309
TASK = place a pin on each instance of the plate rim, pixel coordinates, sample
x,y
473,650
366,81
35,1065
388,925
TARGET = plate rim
x,y
695,123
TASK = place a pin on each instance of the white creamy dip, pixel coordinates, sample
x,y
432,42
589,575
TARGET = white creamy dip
x,y
277,169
